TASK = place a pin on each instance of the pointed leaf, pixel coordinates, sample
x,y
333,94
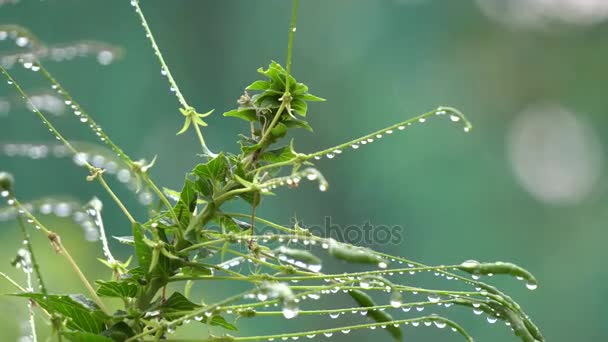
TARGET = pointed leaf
x,y
82,314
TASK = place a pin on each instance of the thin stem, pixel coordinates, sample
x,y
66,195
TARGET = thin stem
x,y
58,135
80,112
292,31
60,248
227,195
12,282
115,198
82,277
191,315
165,68
330,331
206,150
355,143
35,266
274,121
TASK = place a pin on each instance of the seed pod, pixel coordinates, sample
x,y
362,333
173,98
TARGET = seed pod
x,y
298,255
366,301
499,267
355,254
6,181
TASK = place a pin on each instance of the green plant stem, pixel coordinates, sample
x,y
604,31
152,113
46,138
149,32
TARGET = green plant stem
x,y
230,194
358,308
358,327
158,54
292,31
12,282
58,135
82,277
60,248
301,158
264,140
95,128
35,265
201,140
115,198
208,308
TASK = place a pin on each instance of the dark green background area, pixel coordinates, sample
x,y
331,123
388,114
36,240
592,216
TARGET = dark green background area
x,y
377,63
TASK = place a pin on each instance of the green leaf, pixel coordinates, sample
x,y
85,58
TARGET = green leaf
x,y
299,124
177,303
354,254
79,336
246,114
187,202
220,321
203,187
81,313
214,170
300,106
259,85
284,153
378,316
187,122
116,289
311,97
279,130
298,255
229,225
119,332
142,250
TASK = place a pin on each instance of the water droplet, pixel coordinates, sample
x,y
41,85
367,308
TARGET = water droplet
x,y
355,146
396,299
532,286
492,319
467,129
328,334
440,324
382,264
322,187
433,298
293,29
390,131
22,41
290,309
422,120
454,118
401,128
345,331
334,315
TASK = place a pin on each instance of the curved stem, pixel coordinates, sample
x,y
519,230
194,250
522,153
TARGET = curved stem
x,y
165,68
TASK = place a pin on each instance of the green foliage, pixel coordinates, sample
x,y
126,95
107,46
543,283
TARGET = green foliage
x,y
181,241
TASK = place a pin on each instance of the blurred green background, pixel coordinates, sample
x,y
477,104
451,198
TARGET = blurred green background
x,y
528,185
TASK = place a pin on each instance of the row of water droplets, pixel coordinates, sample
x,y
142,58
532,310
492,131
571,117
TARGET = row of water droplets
x,y
99,159
56,207
164,71
473,263
368,139
104,53
294,180
44,101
